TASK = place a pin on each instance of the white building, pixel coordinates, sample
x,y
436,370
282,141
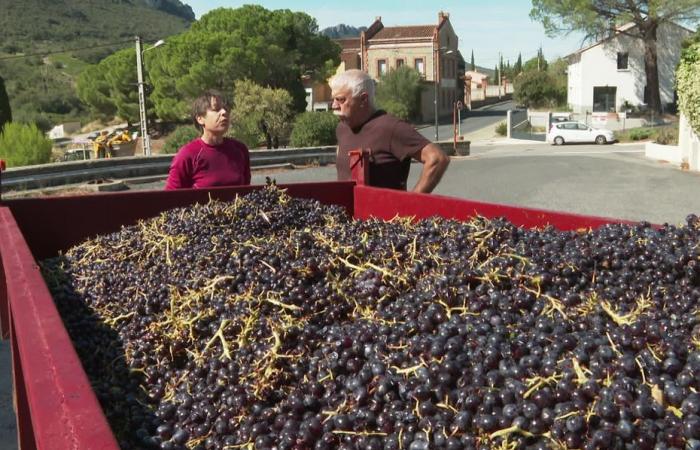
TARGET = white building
x,y
63,130
605,75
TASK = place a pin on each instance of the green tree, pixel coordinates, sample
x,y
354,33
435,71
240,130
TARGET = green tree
x,y
5,110
110,87
537,63
120,74
93,90
518,67
270,48
473,66
557,70
536,89
266,112
314,129
24,145
600,17
495,75
398,92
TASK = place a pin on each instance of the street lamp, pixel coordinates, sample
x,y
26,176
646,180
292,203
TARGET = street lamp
x,y
142,94
435,79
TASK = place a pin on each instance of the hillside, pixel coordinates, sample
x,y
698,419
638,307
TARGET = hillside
x,y
42,87
490,72
42,25
342,31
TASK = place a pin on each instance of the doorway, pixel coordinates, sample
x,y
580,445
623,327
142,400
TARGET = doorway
x,y
604,98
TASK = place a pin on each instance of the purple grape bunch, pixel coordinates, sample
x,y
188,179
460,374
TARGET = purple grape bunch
x,y
270,322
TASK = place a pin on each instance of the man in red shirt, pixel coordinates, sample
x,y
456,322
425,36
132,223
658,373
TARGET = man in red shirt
x,y
391,142
212,159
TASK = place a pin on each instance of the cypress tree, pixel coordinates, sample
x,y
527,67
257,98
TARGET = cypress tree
x,y
5,111
472,64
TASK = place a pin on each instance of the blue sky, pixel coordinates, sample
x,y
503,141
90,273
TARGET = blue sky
x,y
487,26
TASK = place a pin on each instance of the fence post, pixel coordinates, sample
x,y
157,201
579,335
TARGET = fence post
x,y
509,123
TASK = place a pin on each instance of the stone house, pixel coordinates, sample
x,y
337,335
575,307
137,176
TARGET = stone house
x,y
430,49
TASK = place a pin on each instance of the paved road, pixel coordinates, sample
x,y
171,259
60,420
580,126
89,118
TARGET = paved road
x,y
484,117
612,180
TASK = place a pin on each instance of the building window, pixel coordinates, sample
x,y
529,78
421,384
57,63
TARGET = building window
x,y
419,65
604,98
381,67
622,61
399,63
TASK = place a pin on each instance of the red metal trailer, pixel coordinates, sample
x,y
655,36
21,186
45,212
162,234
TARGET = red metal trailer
x,y
56,407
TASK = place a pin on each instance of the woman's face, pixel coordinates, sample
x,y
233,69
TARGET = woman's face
x,y
216,119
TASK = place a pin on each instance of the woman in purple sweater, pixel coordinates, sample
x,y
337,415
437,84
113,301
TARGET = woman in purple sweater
x,y
212,159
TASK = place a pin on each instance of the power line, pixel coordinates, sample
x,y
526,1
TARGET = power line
x,y
64,51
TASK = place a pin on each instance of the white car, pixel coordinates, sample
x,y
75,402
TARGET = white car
x,y
564,132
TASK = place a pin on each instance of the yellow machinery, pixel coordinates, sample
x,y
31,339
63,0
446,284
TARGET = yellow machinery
x,y
105,144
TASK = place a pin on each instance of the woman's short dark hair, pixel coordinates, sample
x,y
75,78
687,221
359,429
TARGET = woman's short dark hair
x,y
202,104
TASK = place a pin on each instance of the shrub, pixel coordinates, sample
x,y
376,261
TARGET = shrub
x,y
24,145
246,130
667,136
313,129
502,129
181,136
639,134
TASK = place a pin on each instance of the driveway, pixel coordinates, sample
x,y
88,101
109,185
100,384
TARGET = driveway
x,y
485,117
612,180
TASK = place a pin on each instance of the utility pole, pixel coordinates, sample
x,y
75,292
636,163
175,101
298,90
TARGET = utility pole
x,y
500,73
435,79
142,99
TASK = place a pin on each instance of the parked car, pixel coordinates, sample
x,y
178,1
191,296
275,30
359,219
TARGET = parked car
x,y
569,132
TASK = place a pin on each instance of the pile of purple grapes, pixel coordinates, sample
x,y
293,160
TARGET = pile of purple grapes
x,y
271,322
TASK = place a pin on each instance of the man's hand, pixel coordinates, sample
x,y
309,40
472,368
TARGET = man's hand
x,y
435,162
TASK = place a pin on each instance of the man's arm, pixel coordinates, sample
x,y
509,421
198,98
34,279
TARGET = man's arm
x,y
435,162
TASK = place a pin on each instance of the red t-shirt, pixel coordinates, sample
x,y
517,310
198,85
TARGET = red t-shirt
x,y
391,143
200,165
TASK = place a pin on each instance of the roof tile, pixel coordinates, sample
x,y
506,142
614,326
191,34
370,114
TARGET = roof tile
x,y
406,32
349,44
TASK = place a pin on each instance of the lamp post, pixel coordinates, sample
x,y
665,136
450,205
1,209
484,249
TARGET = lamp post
x,y
436,57
142,94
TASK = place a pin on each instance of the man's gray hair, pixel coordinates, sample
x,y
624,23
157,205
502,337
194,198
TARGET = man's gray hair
x,y
355,80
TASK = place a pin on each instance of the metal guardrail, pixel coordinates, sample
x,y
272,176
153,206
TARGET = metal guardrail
x,y
73,172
